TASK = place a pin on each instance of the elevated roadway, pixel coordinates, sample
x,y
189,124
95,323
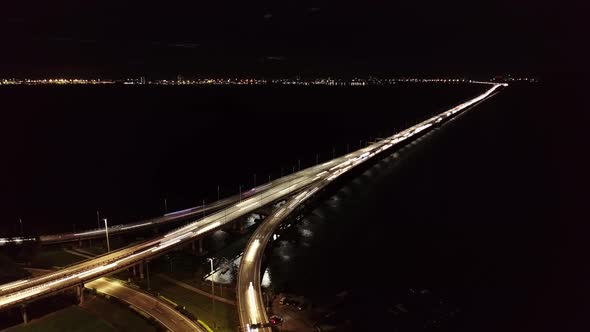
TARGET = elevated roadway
x,y
176,216
251,308
193,213
22,291
171,319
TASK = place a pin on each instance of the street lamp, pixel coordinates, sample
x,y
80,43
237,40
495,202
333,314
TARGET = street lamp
x,y
106,230
210,259
22,234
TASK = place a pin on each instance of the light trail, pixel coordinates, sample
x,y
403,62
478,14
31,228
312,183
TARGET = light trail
x,y
252,251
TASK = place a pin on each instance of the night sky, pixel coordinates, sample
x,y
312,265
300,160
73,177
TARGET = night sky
x,y
115,38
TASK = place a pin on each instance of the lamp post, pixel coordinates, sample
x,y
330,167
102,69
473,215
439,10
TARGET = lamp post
x,y
106,230
212,289
22,234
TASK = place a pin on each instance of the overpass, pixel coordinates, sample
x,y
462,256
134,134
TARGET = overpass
x,y
168,218
20,292
251,307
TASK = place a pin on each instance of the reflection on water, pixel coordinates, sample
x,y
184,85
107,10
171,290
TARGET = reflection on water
x,y
266,279
344,247
305,232
226,271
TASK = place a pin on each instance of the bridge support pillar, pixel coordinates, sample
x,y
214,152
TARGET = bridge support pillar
x,y
141,270
198,250
239,226
147,269
80,293
80,243
23,310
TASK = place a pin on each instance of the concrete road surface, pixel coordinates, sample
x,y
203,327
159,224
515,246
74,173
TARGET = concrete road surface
x,y
166,315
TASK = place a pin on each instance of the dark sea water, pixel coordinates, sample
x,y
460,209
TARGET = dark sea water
x,y
470,229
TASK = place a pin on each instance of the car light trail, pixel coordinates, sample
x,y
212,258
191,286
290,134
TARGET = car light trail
x,y
252,251
278,214
252,305
13,284
135,226
248,206
208,228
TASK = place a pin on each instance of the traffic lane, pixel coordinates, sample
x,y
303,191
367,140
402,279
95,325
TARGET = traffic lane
x,y
166,218
250,302
168,316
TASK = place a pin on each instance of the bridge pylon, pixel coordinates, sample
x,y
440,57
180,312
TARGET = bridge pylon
x,y
23,311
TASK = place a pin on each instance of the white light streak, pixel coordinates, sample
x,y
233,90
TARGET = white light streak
x,y
251,254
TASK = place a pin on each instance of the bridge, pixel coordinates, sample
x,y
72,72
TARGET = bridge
x,y
166,219
251,308
297,188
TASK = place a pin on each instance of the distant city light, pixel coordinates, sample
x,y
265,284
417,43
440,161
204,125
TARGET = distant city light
x,y
255,81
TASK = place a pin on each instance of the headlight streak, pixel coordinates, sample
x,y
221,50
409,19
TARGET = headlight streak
x,y
249,257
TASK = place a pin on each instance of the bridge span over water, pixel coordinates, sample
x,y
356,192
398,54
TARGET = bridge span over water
x,y
296,188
